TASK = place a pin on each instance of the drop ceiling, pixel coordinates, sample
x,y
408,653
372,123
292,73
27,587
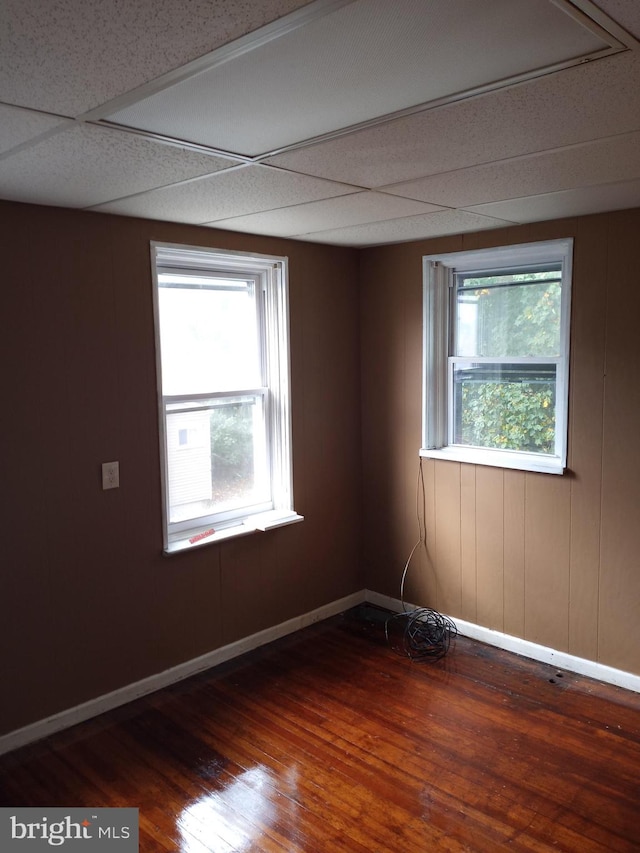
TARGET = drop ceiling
x,y
350,122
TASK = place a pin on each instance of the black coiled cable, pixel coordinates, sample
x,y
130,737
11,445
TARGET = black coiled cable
x,y
426,635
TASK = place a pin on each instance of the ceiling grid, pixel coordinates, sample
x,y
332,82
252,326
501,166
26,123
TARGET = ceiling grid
x,y
354,122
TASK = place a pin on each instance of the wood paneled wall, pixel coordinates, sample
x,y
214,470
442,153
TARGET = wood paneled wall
x,y
555,560
87,602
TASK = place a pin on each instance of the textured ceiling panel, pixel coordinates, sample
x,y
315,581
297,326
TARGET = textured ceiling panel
x,y
18,126
247,190
625,12
575,105
561,144
410,228
362,61
604,161
345,210
85,165
67,56
576,202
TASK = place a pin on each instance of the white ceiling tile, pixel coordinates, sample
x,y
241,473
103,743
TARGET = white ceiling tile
x,y
604,161
575,105
410,228
354,209
67,56
233,193
624,12
559,145
557,205
18,126
362,61
84,165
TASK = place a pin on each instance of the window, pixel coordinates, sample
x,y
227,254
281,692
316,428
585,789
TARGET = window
x,y
223,386
496,356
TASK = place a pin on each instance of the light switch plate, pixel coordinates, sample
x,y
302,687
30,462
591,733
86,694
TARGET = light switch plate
x,y
110,475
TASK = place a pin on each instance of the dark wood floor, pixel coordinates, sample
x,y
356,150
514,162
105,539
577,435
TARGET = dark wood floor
x,y
329,741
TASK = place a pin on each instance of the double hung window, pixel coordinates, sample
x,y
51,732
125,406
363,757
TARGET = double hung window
x,y
223,375
496,337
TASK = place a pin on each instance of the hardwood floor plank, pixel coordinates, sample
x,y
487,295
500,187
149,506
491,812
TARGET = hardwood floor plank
x,y
390,756
328,741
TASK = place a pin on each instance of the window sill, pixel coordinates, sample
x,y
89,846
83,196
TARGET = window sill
x,y
497,459
261,522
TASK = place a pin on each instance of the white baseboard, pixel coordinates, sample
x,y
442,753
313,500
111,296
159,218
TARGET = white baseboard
x,y
66,719
94,707
544,654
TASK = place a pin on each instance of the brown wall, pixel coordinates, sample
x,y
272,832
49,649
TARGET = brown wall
x,y
87,602
555,560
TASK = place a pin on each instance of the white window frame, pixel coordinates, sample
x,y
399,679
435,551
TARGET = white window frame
x,y
437,429
270,276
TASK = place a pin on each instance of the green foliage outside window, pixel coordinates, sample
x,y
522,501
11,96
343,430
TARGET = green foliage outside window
x,y
231,448
521,319
508,416
516,315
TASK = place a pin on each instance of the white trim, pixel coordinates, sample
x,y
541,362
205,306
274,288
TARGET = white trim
x,y
268,278
225,53
435,331
439,290
599,17
496,458
109,701
261,521
616,39
544,654
130,692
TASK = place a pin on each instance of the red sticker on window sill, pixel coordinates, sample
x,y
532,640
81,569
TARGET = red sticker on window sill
x,y
200,536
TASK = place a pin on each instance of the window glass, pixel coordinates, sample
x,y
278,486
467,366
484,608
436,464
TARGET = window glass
x,y
222,344
514,315
496,356
505,406
209,333
225,465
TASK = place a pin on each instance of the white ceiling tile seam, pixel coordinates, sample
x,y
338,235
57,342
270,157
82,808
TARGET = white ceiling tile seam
x,y
241,105
219,56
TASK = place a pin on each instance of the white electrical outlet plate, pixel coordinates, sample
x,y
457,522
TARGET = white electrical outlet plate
x,y
110,475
